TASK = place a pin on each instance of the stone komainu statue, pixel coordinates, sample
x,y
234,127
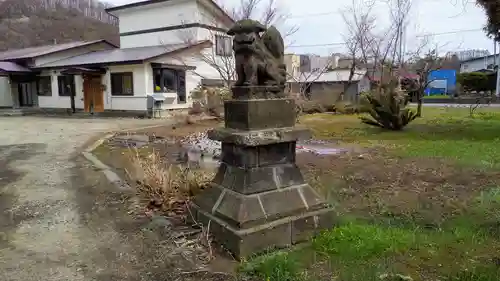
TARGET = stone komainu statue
x,y
259,58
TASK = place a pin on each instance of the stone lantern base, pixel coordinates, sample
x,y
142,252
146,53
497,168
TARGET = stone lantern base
x,y
258,198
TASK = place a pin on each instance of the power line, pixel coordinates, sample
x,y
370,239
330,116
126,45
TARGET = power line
x,y
451,32
423,35
316,45
314,15
339,11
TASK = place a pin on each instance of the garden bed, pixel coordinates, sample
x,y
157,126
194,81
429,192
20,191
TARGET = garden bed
x,y
422,203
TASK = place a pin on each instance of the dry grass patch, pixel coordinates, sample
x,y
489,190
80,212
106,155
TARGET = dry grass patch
x,y
167,187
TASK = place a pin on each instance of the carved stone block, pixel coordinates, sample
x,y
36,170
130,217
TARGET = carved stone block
x,y
259,114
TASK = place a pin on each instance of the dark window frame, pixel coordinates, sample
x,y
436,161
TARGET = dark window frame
x,y
179,82
223,45
120,91
62,82
157,85
38,83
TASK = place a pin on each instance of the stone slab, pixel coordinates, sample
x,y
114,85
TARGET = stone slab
x,y
257,92
259,137
259,179
244,211
259,114
282,233
258,156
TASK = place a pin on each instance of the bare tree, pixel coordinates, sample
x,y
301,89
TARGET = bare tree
x,y
221,58
422,66
377,52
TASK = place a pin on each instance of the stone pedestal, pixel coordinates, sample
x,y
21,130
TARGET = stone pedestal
x,y
258,198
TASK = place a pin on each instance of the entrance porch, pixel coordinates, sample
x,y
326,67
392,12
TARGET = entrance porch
x,y
18,86
93,89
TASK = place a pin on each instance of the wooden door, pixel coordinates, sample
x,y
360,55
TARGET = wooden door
x,y
93,94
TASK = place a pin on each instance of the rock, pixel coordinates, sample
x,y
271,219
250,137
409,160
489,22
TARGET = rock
x,y
159,223
394,277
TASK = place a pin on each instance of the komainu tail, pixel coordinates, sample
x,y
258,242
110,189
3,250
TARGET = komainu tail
x,y
273,41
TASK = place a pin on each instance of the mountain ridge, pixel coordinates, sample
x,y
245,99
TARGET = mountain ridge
x,y
31,23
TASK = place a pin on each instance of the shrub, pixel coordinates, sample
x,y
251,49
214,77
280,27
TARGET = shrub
x,y
476,81
197,108
215,100
346,107
311,107
198,93
388,111
363,103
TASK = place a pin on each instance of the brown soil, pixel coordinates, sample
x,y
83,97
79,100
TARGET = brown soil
x,y
367,183
422,190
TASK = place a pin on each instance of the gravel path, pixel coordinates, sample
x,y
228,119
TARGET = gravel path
x,y
60,219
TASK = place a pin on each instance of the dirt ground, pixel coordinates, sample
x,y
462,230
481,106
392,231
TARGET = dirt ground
x,y
61,219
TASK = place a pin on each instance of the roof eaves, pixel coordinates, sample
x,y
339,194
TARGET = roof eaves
x,y
91,64
56,51
136,61
199,44
479,58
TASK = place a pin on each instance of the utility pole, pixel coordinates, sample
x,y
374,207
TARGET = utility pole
x,y
497,88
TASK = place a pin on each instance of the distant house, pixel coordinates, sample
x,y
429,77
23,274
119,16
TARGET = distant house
x,y
480,64
292,62
334,82
155,57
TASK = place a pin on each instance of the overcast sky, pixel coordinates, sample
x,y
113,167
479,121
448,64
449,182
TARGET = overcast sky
x,y
320,22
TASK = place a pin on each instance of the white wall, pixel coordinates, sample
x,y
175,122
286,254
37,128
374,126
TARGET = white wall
x,y
157,15
478,64
56,101
71,53
164,14
5,92
141,79
142,86
159,38
364,84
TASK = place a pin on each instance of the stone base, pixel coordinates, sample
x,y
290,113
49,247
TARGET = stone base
x,y
259,137
259,114
280,233
250,223
257,92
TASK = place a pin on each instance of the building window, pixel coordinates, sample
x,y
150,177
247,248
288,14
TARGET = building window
x,y
223,45
122,84
166,80
66,85
44,86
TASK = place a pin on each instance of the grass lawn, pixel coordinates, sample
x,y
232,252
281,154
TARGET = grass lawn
x,y
437,97
420,204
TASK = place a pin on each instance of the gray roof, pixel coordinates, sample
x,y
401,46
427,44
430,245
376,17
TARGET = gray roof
x,y
6,66
339,75
33,52
118,55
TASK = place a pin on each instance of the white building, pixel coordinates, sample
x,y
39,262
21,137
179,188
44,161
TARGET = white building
x,y
338,82
486,63
164,45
